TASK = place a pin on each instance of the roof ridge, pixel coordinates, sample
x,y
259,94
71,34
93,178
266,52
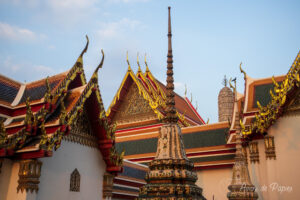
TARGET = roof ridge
x,y
43,79
10,79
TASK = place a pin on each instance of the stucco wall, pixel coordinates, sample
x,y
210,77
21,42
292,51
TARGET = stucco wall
x,y
9,183
5,177
279,179
56,171
214,182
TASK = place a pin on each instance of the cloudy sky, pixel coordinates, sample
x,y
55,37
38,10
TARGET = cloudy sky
x,y
210,39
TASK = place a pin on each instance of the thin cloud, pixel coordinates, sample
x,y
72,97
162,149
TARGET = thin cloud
x,y
22,71
10,32
112,30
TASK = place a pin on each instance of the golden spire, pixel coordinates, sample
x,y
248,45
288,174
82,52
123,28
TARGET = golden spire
x,y
138,63
147,69
129,68
84,50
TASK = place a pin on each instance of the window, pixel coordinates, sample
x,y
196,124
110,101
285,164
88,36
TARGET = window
x,y
75,181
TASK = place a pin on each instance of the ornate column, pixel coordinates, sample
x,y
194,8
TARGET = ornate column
x,y
241,187
108,181
29,174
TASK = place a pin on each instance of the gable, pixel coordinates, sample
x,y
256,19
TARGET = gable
x,y
134,108
81,131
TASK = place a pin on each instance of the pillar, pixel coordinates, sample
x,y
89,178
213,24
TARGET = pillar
x,y
108,182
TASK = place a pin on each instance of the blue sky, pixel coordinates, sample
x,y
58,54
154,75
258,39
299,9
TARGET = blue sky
x,y
210,39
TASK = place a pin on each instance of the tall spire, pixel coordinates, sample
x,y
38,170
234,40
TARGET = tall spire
x,y
171,174
171,116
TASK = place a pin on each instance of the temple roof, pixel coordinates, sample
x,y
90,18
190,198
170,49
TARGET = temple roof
x,y
8,89
154,92
36,116
264,101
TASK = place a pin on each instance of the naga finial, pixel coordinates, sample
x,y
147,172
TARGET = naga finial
x,y
47,95
95,74
84,50
242,71
63,113
196,105
191,97
185,90
138,63
129,68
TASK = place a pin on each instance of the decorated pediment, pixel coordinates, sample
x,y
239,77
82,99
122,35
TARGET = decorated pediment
x,y
134,108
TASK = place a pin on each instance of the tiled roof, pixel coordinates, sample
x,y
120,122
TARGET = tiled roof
x,y
182,106
37,89
196,139
8,90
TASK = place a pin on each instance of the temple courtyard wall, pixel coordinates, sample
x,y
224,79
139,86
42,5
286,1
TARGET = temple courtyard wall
x,y
56,173
279,178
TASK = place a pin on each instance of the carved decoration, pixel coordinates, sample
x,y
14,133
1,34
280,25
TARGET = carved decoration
x,y
75,181
254,153
134,108
294,108
268,115
270,147
29,174
81,131
108,181
245,154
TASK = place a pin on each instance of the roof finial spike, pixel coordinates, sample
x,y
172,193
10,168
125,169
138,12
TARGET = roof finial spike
x,y
171,116
147,69
84,50
242,71
138,63
185,90
95,74
129,68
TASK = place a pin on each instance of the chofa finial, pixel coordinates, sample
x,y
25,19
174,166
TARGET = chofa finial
x,y
79,60
129,68
138,62
147,69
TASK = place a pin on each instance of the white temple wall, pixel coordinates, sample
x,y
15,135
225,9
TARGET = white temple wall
x,y
279,179
56,172
214,182
5,177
